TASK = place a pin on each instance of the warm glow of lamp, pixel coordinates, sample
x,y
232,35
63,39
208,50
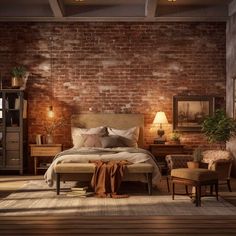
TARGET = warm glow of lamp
x,y
160,119
50,112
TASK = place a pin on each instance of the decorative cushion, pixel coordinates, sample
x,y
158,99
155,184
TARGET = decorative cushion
x,y
77,138
130,136
112,141
210,156
91,140
194,174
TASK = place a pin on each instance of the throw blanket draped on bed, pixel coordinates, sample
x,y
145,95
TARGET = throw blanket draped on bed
x,y
84,155
108,177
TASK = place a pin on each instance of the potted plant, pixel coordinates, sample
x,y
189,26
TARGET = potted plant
x,y
175,138
17,74
219,128
197,158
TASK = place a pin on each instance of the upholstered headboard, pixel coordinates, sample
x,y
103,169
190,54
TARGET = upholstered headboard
x,y
117,121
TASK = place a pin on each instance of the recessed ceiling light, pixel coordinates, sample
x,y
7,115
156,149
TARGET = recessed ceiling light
x,y
79,0
171,0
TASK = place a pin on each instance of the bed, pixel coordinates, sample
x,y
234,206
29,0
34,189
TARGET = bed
x,y
72,164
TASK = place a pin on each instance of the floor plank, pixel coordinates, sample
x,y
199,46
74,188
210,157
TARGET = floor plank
x,y
161,225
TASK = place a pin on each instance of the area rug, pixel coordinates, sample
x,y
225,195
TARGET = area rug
x,y
36,198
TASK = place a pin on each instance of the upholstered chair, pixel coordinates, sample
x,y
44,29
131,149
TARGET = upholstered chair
x,y
217,160
221,162
175,161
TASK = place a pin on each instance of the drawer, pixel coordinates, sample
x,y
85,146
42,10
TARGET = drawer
x,y
11,136
44,151
12,141
12,158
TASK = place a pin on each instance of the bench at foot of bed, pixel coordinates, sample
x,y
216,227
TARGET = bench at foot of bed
x,y
88,168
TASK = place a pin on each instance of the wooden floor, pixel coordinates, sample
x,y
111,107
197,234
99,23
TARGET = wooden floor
x,y
159,225
127,225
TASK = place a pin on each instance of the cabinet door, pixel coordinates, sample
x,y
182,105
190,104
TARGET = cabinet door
x,y
13,141
12,158
12,106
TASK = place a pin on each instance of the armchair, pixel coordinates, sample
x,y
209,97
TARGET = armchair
x,y
217,160
221,162
175,161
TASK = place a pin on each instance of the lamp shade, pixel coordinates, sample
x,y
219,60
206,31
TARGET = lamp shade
x,y
160,118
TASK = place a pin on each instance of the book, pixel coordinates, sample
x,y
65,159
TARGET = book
x,y
79,191
79,188
88,194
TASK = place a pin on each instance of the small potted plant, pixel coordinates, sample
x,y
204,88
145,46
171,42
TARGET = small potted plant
x,y
17,74
175,138
197,158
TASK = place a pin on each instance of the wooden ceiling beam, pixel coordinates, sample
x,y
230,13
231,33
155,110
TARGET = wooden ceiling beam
x,y
232,8
150,8
115,19
57,8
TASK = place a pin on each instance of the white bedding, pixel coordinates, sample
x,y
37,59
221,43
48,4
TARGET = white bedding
x,y
84,155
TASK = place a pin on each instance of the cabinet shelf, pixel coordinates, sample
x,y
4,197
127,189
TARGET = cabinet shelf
x,y
14,153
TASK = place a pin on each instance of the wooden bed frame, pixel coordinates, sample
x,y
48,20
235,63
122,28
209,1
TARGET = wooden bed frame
x,y
78,171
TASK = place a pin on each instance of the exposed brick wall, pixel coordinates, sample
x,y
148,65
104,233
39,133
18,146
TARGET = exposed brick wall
x,y
114,67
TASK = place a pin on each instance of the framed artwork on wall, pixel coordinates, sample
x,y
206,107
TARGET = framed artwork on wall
x,y
190,111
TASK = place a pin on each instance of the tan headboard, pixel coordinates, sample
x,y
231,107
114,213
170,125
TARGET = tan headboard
x,y
117,121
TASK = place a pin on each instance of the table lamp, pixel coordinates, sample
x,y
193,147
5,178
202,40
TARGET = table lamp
x,y
160,119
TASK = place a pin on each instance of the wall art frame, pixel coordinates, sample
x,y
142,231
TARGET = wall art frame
x,y
190,111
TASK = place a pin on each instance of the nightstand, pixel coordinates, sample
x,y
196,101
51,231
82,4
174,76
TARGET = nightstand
x,y
38,152
161,150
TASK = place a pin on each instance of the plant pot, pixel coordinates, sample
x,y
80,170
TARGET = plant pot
x,y
16,82
193,164
174,142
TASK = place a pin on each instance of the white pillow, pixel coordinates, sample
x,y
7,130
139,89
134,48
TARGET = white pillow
x,y
78,140
130,135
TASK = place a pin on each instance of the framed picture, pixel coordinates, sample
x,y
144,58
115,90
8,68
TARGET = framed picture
x,y
190,111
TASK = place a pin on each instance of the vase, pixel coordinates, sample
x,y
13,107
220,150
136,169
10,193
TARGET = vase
x,y
49,139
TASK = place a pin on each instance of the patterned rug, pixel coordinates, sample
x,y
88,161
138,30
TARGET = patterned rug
x,y
36,198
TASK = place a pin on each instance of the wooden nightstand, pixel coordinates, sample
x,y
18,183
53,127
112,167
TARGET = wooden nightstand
x,y
43,151
161,150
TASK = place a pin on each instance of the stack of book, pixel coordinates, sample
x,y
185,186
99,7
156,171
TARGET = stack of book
x,y
80,192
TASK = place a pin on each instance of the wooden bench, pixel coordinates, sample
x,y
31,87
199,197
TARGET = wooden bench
x,y
84,168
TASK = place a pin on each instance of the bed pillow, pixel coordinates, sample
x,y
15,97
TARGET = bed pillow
x,y
112,141
76,133
91,140
129,136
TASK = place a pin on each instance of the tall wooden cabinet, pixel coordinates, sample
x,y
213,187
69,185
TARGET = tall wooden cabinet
x,y
13,133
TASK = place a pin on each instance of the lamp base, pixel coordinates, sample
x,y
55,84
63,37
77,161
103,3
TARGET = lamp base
x,y
159,141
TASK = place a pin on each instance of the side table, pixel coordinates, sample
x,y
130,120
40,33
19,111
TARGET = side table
x,y
42,151
161,150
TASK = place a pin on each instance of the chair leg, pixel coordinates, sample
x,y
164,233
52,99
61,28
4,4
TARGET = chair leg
x,y
173,190
168,184
186,189
216,189
211,189
58,183
149,179
198,196
229,186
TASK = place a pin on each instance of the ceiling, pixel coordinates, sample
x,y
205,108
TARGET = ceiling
x,y
116,10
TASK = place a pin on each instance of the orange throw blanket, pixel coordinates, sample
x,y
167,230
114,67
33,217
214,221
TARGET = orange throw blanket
x,y
108,177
